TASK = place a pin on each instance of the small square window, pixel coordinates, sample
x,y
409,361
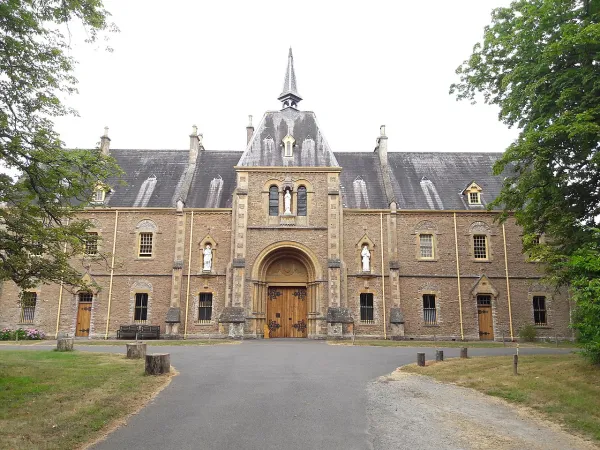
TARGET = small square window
x,y
145,245
474,198
91,244
366,308
480,246
426,245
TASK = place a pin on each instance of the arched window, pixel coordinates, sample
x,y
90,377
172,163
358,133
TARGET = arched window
x,y
301,201
273,201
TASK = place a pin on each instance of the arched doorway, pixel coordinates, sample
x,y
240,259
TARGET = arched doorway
x,y
285,295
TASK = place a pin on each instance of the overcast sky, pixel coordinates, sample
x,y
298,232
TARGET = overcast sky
x,y
359,64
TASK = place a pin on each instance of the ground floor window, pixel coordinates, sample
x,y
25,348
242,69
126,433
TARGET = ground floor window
x,y
539,310
484,300
141,307
28,302
429,309
366,308
205,307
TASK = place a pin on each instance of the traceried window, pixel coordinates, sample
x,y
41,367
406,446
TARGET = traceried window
x,y
474,198
539,310
28,302
426,245
205,307
273,201
366,308
145,245
302,201
480,250
141,307
429,310
91,244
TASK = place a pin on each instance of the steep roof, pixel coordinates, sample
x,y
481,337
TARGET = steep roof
x,y
214,180
361,181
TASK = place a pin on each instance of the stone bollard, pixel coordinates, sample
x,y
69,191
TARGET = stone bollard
x,y
515,364
158,363
439,355
64,345
463,352
136,350
421,359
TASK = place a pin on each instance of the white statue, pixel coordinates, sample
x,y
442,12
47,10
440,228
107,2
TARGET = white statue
x,y
287,202
366,258
207,258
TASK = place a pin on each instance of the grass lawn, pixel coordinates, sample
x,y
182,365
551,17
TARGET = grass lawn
x,y
564,388
154,343
452,344
56,400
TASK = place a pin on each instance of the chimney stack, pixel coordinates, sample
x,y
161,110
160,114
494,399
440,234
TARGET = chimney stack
x,y
195,144
249,130
381,148
105,142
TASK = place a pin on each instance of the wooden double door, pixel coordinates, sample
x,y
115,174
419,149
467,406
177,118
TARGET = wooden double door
x,y
286,312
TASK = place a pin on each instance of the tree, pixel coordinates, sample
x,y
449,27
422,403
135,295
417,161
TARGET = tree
x,y
43,185
540,63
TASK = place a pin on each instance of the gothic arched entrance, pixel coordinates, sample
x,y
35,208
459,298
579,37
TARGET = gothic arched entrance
x,y
285,293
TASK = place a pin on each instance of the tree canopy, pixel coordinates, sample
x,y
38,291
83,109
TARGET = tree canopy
x,y
43,185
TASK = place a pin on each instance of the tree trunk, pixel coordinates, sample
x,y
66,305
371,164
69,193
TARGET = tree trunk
x,y
64,345
136,350
158,363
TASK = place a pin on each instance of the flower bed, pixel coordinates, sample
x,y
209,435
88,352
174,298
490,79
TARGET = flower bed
x,y
20,334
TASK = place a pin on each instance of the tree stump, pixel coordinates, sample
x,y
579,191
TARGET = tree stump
x,y
64,345
439,355
463,352
136,350
421,359
158,363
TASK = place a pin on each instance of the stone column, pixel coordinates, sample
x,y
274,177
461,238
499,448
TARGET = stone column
x,y
396,316
173,318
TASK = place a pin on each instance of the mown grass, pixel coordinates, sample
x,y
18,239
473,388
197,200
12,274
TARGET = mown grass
x,y
453,344
159,343
61,400
564,388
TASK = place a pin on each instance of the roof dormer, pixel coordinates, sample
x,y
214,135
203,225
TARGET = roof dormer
x,y
288,145
473,193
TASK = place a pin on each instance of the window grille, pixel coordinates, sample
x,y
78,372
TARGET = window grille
x,y
429,310
91,244
480,246
86,297
273,201
28,302
474,198
302,201
141,307
539,310
145,245
426,245
205,307
366,308
484,300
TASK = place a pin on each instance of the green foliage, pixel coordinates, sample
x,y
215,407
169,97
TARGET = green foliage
x,y
38,227
528,333
539,62
7,334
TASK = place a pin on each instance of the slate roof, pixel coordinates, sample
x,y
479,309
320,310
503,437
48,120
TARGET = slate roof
x,y
361,180
214,180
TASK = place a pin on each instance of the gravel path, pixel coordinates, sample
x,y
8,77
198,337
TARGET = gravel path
x,y
415,412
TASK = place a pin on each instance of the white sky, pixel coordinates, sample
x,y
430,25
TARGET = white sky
x,y
359,64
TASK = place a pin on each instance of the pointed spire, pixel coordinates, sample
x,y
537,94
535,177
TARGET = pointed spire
x,y
289,96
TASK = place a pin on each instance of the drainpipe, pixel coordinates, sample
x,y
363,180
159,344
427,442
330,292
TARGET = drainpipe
x,y
112,271
187,294
507,284
382,276
462,333
60,296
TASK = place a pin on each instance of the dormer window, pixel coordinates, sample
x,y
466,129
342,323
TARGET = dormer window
x,y
473,193
99,195
474,198
288,145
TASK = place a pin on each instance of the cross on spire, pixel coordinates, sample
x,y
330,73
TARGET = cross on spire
x,y
289,96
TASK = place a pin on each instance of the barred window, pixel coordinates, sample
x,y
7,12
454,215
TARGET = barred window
x,y
302,201
205,307
28,302
85,297
273,201
426,245
474,198
539,310
145,245
480,246
141,307
484,300
429,310
91,244
366,308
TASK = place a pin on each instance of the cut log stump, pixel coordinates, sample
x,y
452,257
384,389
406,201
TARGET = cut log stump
x,y
64,345
136,350
463,352
421,359
439,355
158,363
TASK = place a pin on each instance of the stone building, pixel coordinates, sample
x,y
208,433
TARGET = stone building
x,y
293,239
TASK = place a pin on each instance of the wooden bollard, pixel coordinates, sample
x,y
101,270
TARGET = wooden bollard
x,y
136,350
158,363
463,352
515,364
421,359
64,345
439,355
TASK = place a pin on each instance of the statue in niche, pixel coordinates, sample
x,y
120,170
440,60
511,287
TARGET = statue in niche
x,y
365,255
287,202
207,258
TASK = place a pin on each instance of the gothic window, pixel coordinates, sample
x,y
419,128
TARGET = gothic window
x,y
429,309
480,250
205,307
141,307
145,247
366,308
302,201
539,310
273,201
426,246
91,243
28,302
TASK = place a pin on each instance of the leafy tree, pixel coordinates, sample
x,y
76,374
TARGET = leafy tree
x,y
540,63
42,184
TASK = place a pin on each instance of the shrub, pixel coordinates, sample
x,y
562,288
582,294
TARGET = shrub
x,y
6,334
528,333
22,335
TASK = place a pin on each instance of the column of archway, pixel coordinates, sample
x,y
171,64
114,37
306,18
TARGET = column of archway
x,y
259,303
